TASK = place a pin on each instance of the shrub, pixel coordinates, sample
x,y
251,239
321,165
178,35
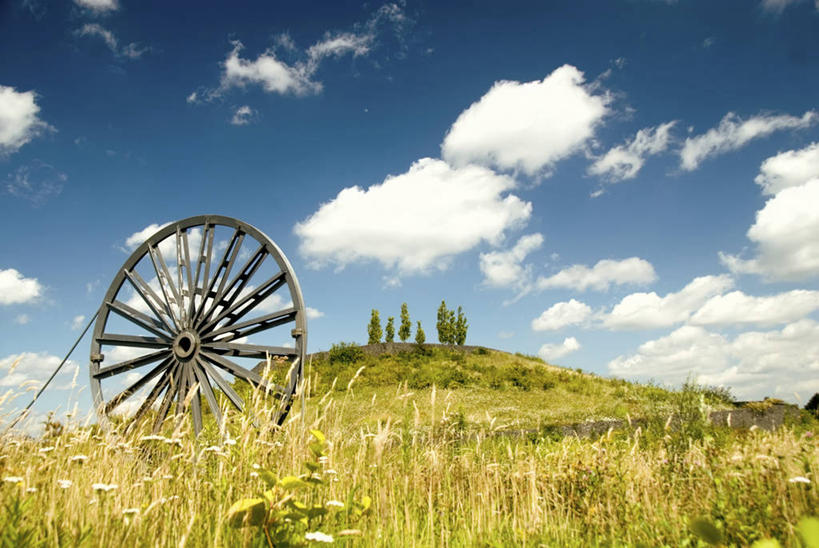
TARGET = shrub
x,y
345,353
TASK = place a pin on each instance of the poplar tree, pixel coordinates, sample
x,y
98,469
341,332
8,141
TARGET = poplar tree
x,y
443,323
406,326
420,338
374,328
461,327
390,330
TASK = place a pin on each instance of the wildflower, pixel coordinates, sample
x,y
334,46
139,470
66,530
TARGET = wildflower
x,y
47,449
230,442
323,460
31,490
78,458
212,449
799,479
336,503
255,466
254,474
104,487
13,479
318,536
64,484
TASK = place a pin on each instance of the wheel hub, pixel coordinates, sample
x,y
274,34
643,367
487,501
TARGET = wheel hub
x,y
185,345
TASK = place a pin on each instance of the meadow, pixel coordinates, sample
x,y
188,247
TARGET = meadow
x,y
425,448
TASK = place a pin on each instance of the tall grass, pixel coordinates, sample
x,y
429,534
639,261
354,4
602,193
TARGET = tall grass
x,y
430,483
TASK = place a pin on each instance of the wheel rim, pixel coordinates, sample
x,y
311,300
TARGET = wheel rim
x,y
195,306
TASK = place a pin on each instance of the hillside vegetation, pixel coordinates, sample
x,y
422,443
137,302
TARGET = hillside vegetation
x,y
403,453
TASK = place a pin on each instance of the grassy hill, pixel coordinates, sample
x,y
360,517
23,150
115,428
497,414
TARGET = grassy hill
x,y
380,458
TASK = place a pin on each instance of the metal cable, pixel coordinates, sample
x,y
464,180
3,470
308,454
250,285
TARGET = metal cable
x,y
42,388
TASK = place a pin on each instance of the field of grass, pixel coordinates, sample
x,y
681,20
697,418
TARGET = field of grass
x,y
407,462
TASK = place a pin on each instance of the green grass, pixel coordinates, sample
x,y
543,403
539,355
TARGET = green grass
x,y
432,465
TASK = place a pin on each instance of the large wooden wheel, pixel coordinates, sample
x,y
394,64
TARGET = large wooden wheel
x,y
195,308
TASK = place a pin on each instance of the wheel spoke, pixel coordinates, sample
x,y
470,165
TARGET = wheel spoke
x,y
200,258
163,276
132,340
151,398
220,275
207,390
224,386
196,403
136,317
131,390
173,384
205,255
256,296
144,290
245,374
250,327
184,255
247,350
121,367
238,283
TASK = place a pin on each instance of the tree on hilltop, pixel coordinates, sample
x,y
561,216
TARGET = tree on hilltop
x,y
460,327
420,338
390,330
374,328
406,326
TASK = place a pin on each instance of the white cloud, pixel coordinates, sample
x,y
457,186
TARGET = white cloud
x,y
242,116
99,6
649,310
19,122
22,319
504,268
134,240
625,161
131,51
273,74
737,308
601,276
16,369
37,182
527,126
556,351
77,322
785,234
733,133
754,364
778,6
313,313
787,169
15,289
414,221
561,315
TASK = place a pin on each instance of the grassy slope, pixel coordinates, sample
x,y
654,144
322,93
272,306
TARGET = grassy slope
x,y
429,485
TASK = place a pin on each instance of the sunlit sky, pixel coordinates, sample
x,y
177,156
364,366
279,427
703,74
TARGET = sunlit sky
x,y
628,187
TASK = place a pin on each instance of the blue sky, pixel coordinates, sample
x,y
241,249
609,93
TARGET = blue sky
x,y
629,187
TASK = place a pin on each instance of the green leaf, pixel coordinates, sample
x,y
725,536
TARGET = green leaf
x,y
246,512
312,466
268,477
317,449
766,543
707,531
366,502
316,511
292,482
318,435
809,531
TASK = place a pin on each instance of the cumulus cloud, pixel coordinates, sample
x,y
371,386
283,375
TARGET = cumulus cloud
x,y
314,314
601,276
785,235
733,133
99,6
787,169
37,182
413,221
77,322
625,161
555,351
778,6
737,308
505,268
242,116
649,310
19,121
561,315
276,75
32,368
755,363
130,51
16,289
134,240
22,319
527,126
